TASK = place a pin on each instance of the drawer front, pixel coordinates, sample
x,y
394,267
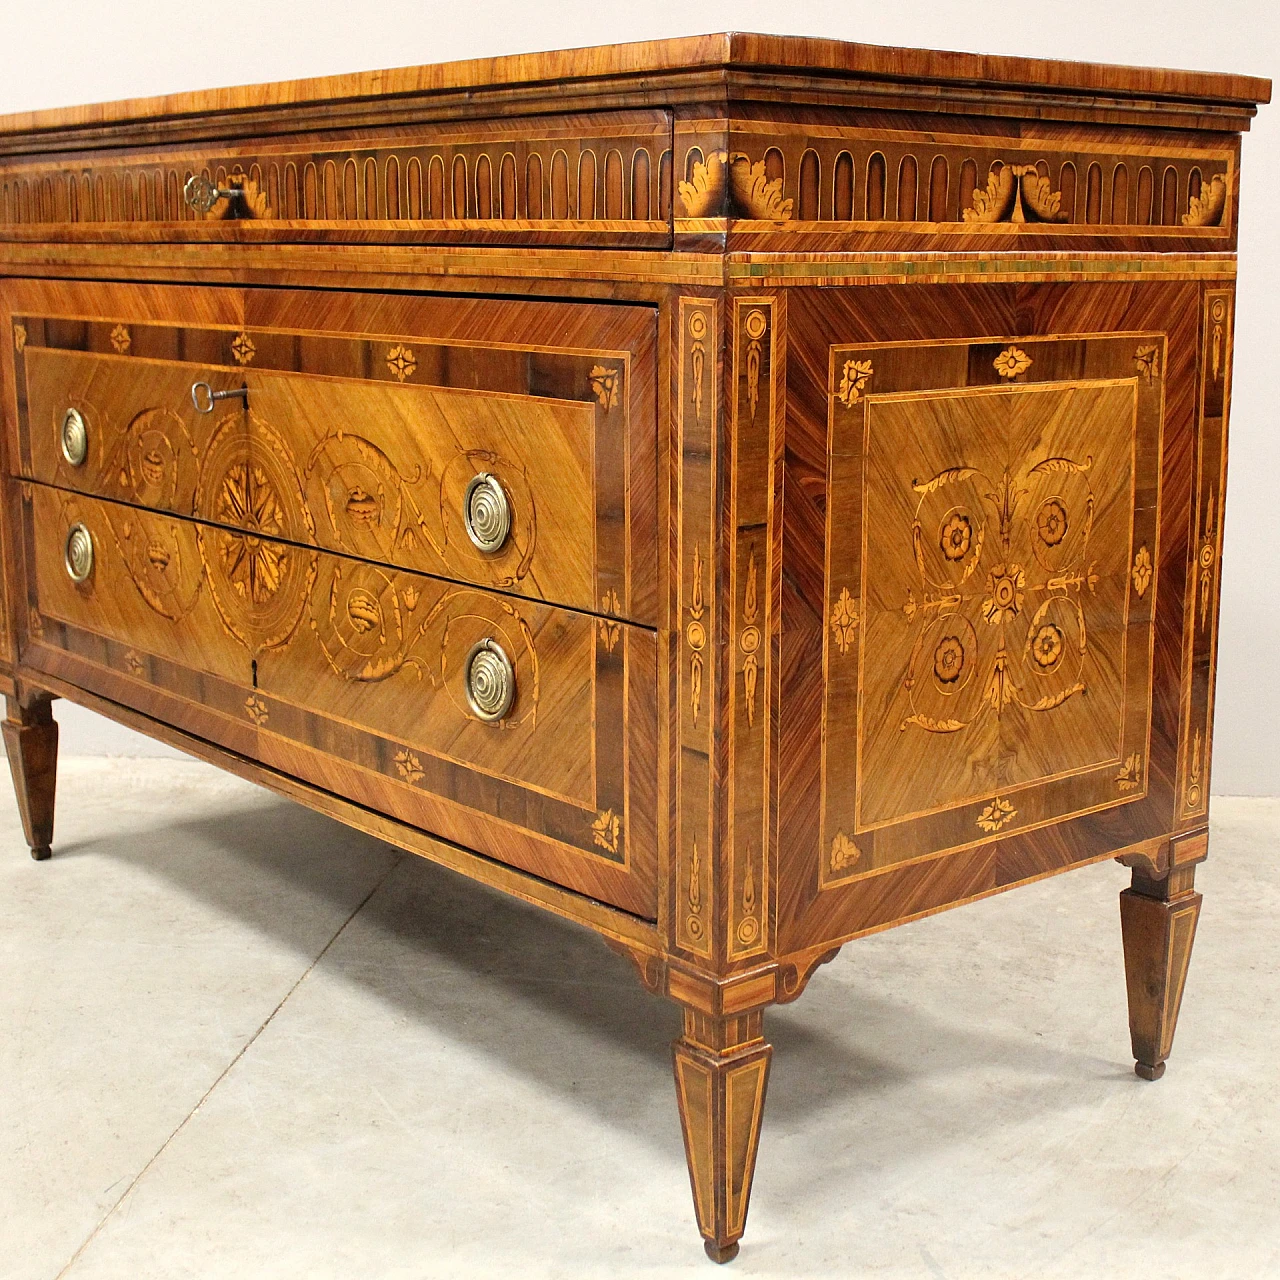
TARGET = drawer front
x,y
583,179
372,446
367,681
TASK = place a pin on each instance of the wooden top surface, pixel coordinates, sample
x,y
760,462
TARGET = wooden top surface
x,y
665,59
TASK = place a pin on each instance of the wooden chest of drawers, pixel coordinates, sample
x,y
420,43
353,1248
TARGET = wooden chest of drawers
x,y
737,493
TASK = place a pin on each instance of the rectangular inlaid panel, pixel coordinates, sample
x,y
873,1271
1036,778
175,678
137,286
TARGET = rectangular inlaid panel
x,y
991,543
364,446
374,668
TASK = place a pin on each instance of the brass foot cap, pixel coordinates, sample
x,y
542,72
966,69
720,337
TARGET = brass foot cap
x,y
717,1254
42,854
1149,1073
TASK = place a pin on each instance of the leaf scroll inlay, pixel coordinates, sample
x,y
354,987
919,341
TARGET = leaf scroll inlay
x,y
750,641
696,635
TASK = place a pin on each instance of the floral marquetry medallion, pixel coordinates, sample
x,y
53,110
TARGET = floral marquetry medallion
x,y
1000,567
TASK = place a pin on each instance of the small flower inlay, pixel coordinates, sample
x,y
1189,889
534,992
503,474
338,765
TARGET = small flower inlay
x,y
1011,362
1142,571
409,767
243,349
956,536
604,383
605,830
256,710
1005,585
1051,522
996,814
401,362
844,619
854,380
1047,646
844,853
121,340
948,660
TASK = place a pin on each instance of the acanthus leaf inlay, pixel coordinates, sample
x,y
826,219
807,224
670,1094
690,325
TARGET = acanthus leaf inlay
x,y
605,830
853,380
996,815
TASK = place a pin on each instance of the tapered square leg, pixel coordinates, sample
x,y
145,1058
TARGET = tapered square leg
x,y
722,1068
31,743
1158,920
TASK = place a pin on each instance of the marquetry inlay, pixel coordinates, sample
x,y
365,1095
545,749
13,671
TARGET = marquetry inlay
x,y
1000,634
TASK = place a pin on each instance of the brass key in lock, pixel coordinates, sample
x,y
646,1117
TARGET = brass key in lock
x,y
204,397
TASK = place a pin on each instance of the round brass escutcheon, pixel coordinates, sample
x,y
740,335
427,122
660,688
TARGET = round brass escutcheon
x,y
486,512
78,553
490,679
74,437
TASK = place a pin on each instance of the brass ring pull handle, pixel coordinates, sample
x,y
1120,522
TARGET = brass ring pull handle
x,y
204,397
486,512
73,436
490,680
78,553
201,194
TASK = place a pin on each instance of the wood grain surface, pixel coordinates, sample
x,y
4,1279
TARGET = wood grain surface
x,y
312,661
976,73
934,560
861,419
379,436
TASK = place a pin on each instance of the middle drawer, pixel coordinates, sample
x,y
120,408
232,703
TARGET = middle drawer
x,y
479,486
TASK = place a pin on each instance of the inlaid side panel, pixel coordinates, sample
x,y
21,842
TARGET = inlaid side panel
x,y
991,666
1204,562
975,673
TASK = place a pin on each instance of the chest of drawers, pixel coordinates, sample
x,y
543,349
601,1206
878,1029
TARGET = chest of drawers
x,y
738,493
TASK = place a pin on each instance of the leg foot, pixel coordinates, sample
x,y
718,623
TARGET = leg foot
x,y
31,741
1158,920
722,1068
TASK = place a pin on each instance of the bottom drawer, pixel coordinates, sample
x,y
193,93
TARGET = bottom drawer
x,y
525,732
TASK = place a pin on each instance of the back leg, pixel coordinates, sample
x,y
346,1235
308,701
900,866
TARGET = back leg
x,y
31,742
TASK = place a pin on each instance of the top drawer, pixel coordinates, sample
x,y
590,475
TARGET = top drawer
x,y
596,179
507,444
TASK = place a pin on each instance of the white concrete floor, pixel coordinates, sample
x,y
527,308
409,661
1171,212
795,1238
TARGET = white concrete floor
x,y
237,1039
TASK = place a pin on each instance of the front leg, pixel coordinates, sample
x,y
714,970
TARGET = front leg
x,y
1158,920
722,1067
31,742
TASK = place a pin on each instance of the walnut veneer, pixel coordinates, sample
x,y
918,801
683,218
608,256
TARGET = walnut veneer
x,y
737,493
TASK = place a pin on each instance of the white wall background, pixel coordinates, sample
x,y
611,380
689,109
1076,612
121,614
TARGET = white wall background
x,y
55,54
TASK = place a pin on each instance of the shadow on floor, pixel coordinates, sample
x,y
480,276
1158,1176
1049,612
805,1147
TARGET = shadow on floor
x,y
451,949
